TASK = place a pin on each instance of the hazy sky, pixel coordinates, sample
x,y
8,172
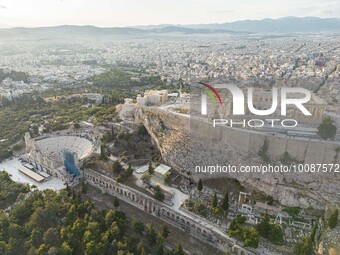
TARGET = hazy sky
x,y
34,13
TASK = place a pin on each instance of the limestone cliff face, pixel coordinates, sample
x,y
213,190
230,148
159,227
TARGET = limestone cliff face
x,y
186,143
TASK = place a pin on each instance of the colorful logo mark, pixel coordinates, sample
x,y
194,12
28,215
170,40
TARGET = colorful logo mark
x,y
208,92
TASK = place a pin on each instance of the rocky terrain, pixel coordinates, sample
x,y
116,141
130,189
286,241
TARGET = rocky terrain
x,y
187,142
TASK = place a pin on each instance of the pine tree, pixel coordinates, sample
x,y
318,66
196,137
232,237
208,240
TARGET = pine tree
x,y
117,167
102,152
225,201
129,171
151,234
214,202
165,231
200,185
264,226
150,169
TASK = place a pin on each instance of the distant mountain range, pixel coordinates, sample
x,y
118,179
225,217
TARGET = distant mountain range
x,y
266,26
281,25
92,31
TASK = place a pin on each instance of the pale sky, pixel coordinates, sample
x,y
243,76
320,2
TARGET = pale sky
x,y
110,13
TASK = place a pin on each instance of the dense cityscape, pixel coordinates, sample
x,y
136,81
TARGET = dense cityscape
x,y
104,148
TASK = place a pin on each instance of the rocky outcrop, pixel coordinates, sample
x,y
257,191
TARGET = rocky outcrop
x,y
188,143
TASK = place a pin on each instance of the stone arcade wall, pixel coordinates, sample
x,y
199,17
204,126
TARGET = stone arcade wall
x,y
164,212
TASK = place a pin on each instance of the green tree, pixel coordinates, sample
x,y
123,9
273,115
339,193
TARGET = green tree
x,y
151,234
327,129
333,219
215,200
264,226
103,152
304,247
159,195
251,237
270,200
138,226
225,201
200,185
146,178
164,231
129,171
117,167
150,168
200,208
275,234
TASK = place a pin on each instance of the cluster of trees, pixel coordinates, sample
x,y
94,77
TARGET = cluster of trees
x,y
223,206
122,84
61,223
114,78
158,192
215,207
154,238
10,191
271,231
5,152
15,118
196,207
146,178
118,79
248,235
122,174
136,145
49,222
